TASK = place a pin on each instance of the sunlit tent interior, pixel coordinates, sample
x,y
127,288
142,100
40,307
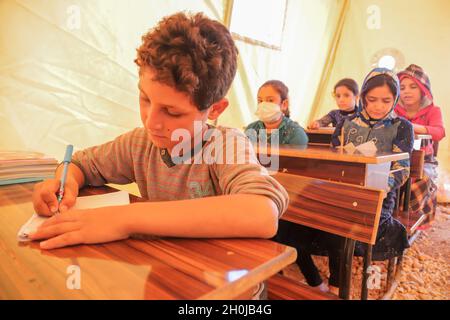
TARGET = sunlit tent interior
x,y
67,71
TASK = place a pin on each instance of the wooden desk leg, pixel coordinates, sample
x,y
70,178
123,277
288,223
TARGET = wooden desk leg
x,y
407,195
345,278
367,263
390,273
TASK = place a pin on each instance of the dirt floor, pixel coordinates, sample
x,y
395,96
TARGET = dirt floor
x,y
426,266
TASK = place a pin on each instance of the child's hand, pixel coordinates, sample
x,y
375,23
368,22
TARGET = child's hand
x,y
45,201
82,227
314,125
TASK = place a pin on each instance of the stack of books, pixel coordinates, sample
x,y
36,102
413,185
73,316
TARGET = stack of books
x,y
23,166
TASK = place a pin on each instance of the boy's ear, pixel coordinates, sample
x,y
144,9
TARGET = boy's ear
x,y
217,108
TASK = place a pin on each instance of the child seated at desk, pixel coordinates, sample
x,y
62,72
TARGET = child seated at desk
x,y
273,113
346,94
377,123
186,66
416,105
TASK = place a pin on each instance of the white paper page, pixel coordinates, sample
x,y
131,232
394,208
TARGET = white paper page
x,y
89,202
368,148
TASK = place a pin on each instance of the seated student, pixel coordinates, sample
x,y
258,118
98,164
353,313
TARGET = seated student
x,y
376,122
273,113
416,105
346,94
216,200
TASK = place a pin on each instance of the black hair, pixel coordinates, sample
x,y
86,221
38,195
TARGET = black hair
x,y
350,84
379,81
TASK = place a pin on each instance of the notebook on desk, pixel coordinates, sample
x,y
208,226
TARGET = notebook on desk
x,y
25,166
87,202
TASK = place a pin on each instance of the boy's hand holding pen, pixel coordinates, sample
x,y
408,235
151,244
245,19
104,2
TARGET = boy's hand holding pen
x,y
54,195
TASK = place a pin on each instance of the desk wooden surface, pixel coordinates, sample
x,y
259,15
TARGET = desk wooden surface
x,y
423,136
331,154
322,130
421,140
334,164
320,136
132,268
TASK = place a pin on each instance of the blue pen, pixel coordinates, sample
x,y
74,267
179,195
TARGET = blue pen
x,y
66,161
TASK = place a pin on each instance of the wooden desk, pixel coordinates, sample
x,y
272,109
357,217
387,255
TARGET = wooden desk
x,y
332,164
421,140
320,136
130,269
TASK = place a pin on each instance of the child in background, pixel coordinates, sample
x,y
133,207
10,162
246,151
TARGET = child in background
x,y
346,94
376,122
186,66
273,113
416,105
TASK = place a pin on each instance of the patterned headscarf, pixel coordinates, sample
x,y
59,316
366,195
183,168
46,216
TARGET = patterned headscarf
x,y
416,73
372,74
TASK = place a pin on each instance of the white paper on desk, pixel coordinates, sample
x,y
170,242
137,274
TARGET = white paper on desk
x,y
350,147
89,202
368,148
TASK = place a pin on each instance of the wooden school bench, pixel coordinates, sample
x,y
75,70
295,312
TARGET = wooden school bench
x,y
334,164
154,268
337,165
350,211
320,136
421,140
411,220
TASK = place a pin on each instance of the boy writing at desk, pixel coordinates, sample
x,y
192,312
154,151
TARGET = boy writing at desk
x,y
186,66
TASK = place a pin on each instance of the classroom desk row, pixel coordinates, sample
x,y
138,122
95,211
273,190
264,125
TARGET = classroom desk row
x,y
156,268
371,171
322,137
334,164
132,268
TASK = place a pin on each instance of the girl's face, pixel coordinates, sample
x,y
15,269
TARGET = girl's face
x,y
345,99
379,102
269,94
410,92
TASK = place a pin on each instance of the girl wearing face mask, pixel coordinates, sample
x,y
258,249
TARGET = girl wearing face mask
x,y
416,105
375,122
346,94
273,114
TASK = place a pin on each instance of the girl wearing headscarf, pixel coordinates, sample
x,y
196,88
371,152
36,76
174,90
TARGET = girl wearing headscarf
x,y
416,105
375,122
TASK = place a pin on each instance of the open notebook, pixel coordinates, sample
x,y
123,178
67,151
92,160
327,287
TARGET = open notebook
x,y
88,202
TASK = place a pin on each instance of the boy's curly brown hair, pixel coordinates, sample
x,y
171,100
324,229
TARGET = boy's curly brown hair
x,y
193,54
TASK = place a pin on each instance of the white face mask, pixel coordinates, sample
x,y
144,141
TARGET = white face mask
x,y
268,112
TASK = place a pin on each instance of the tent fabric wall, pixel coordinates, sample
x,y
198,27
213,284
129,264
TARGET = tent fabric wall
x,y
60,84
419,29
309,29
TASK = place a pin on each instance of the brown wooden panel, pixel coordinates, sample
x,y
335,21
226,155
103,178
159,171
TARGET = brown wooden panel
x,y
331,154
342,209
283,288
417,163
346,172
148,268
319,138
